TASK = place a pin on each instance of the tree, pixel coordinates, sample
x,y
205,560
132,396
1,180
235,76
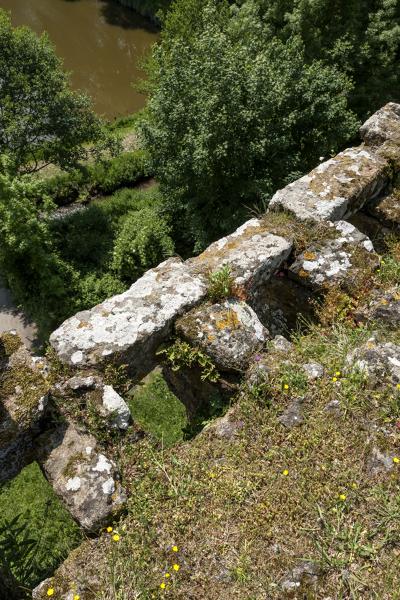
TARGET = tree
x,y
41,119
235,112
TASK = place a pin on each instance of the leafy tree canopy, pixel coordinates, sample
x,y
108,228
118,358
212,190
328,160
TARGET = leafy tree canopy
x,y
41,119
235,111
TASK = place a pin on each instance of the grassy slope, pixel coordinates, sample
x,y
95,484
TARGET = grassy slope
x,y
239,522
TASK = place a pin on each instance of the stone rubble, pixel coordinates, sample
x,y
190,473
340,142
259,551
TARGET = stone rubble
x,y
380,362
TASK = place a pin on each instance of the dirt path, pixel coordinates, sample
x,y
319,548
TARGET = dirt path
x,y
13,318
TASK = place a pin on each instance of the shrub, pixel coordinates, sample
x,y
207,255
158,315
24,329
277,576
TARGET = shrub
x,y
103,177
143,242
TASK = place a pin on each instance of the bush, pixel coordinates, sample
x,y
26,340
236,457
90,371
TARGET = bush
x,y
103,177
94,287
142,243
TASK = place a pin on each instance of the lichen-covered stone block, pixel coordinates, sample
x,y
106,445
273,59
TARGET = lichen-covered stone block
x,y
380,362
337,260
252,253
229,332
387,210
382,126
84,478
382,306
23,400
129,328
336,188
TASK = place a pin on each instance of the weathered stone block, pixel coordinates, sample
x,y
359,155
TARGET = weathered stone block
x,y
382,126
337,260
128,328
336,188
379,361
229,332
382,306
252,252
387,210
84,479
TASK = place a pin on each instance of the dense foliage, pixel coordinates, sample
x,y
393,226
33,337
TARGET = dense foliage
x,y
246,97
41,119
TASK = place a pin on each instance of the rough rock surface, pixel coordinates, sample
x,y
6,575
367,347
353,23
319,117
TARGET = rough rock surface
x,y
382,126
336,259
129,328
379,361
282,344
293,415
23,400
229,332
303,577
252,253
336,188
313,371
84,479
383,307
114,406
225,427
387,209
379,462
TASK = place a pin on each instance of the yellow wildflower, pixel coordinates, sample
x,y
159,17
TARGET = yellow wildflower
x,y
396,460
285,386
354,486
50,592
285,472
175,548
77,597
398,386
176,567
162,586
115,537
342,497
338,373
167,575
109,529
334,379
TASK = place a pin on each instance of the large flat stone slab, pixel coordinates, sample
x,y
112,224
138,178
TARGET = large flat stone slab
x,y
336,188
129,328
85,480
229,332
252,253
341,259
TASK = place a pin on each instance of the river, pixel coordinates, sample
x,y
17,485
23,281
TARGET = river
x,y
101,43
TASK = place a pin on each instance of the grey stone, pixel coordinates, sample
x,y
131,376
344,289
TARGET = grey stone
x,y
252,253
229,332
333,407
387,209
84,478
383,306
293,415
379,361
334,261
336,188
116,407
224,427
282,344
129,328
313,371
303,577
382,126
81,383
379,462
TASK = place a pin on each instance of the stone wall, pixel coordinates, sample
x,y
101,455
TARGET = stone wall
x,y
314,235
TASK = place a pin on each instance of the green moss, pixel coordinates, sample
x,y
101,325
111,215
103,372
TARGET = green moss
x,y
26,387
9,343
71,467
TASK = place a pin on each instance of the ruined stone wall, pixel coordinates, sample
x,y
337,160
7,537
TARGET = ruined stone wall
x,y
316,233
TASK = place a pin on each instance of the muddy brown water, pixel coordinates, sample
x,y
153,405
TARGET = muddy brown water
x,y
100,41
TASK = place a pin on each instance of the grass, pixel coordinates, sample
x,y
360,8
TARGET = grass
x,y
243,512
158,411
37,532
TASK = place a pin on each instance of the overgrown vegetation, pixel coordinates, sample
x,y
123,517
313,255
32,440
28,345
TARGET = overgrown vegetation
x,y
36,532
